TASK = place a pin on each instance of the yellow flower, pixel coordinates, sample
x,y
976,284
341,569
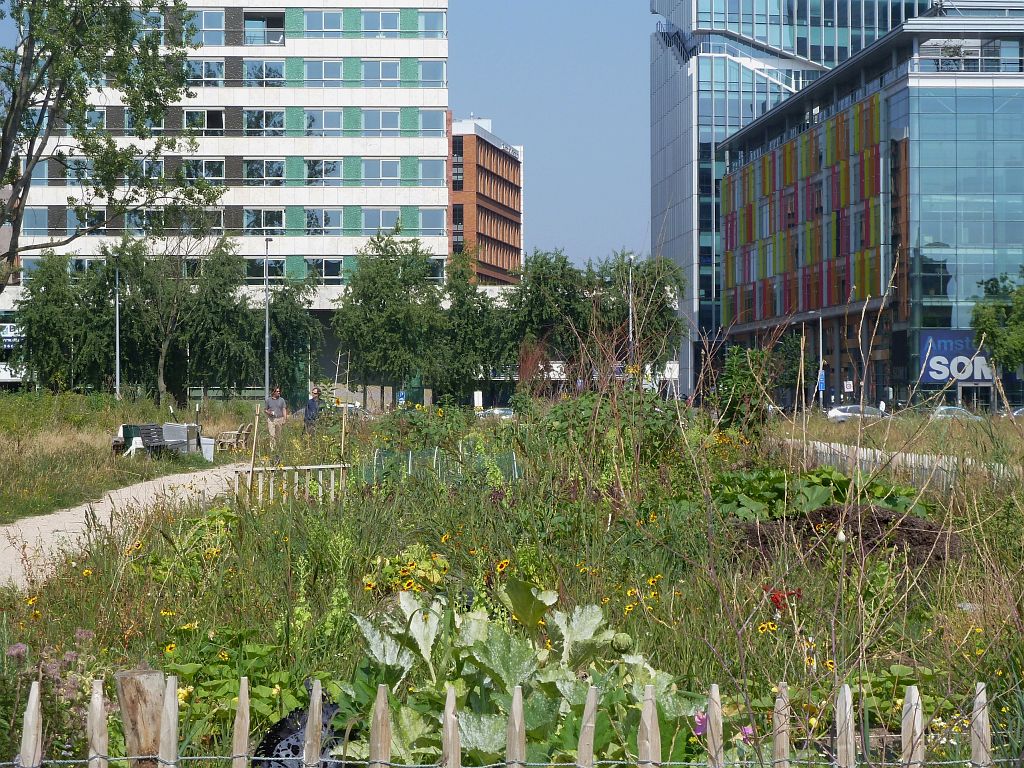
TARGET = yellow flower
x,y
651,581
979,651
170,648
629,608
36,615
652,595
653,517
762,627
440,411
190,625
604,600
632,592
978,630
541,623
32,600
223,655
809,661
830,665
772,626
87,572
472,551
409,584
184,693
812,722
369,586
500,568
445,538
165,612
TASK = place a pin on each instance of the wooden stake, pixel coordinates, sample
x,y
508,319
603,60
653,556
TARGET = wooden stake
x,y
140,693
648,739
380,730
31,754
912,731
169,724
846,745
96,728
780,728
981,732
314,726
451,743
585,751
240,734
515,742
716,746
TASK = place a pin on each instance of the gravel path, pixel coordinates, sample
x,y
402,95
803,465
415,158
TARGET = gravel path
x,y
37,535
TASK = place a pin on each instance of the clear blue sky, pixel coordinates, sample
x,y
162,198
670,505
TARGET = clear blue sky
x,y
569,80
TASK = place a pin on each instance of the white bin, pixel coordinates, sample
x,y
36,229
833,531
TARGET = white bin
x,y
207,446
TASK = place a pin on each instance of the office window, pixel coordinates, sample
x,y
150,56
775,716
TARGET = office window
x,y
96,118
210,170
433,24
432,73
324,221
142,221
207,27
324,74
35,222
150,169
205,122
79,171
40,171
432,222
91,220
381,173
432,122
263,27
432,173
131,124
324,24
323,173
205,73
151,25
263,221
263,122
209,221
379,220
380,122
328,271
323,122
260,73
380,74
263,173
380,23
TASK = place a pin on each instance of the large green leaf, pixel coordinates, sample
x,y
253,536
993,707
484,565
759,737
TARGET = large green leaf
x,y
422,625
472,627
409,727
581,627
383,648
527,602
483,734
510,660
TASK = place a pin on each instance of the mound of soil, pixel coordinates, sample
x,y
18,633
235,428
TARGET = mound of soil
x,y
869,529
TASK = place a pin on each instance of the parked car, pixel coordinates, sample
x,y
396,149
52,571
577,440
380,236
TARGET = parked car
x,y
842,413
501,414
945,412
1012,413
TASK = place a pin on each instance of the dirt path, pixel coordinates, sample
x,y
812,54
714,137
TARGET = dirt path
x,y
38,535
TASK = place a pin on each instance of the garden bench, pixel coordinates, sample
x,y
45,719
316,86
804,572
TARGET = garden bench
x,y
234,439
151,439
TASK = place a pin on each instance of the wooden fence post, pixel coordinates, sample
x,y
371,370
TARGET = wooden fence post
x,y
585,750
31,754
451,744
515,739
240,733
716,745
981,732
780,728
648,738
314,726
380,730
96,728
168,753
846,746
912,732
140,693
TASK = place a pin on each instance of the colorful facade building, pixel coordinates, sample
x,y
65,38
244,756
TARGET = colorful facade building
x,y
879,203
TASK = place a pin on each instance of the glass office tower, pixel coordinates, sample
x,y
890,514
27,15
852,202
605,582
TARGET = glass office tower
x,y
716,65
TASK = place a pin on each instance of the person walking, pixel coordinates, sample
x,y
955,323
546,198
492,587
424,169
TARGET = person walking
x,y
312,412
276,410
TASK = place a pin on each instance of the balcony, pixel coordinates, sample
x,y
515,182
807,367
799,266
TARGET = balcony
x,y
264,28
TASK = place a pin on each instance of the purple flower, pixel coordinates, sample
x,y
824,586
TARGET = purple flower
x,y
53,669
84,635
747,732
18,651
70,657
700,723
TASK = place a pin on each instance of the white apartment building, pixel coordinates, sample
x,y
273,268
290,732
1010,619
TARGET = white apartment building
x,y
325,120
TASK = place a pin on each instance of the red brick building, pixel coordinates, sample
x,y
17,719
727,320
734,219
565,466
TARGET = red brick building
x,y
487,200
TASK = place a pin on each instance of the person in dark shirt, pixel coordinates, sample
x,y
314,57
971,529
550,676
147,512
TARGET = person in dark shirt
x,y
312,412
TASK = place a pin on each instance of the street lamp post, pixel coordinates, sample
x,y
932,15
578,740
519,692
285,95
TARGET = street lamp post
x,y
117,327
266,315
632,257
821,363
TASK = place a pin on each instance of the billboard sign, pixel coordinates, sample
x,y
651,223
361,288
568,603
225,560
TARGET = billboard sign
x,y
950,355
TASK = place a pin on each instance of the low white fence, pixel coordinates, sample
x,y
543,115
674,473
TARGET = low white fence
x,y
314,481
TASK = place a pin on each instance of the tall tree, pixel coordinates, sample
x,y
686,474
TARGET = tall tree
x,y
998,322
295,337
62,52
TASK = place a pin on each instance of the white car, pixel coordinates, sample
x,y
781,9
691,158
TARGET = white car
x,y
503,414
955,412
843,413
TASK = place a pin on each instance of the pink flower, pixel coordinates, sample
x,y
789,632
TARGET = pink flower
x,y
18,651
700,723
747,732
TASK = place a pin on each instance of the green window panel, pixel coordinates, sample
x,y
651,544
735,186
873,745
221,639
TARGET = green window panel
x,y
294,220
409,121
294,171
409,22
352,121
353,72
410,171
348,268
294,121
353,22
410,220
294,23
294,268
352,168
294,72
352,218
410,73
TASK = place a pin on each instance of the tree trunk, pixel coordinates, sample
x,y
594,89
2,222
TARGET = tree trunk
x,y
161,384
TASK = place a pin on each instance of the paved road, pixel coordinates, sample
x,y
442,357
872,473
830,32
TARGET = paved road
x,y
38,535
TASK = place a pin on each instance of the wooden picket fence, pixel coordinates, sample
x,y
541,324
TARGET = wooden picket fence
x,y
149,710
265,484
